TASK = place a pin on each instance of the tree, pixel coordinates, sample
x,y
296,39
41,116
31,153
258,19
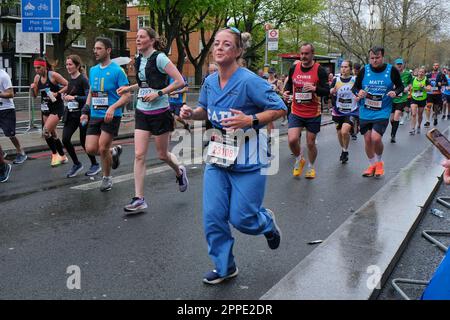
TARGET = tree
x,y
97,16
251,16
207,21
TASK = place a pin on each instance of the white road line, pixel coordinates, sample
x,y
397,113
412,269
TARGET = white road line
x,y
127,177
130,176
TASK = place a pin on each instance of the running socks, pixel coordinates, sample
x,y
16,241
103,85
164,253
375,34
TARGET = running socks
x,y
394,127
51,144
59,147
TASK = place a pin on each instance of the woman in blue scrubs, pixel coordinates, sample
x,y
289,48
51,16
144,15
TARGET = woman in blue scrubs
x,y
235,99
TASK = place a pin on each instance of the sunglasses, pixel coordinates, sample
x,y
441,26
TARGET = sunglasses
x,y
234,30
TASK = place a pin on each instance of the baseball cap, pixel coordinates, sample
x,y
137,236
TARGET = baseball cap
x,y
399,61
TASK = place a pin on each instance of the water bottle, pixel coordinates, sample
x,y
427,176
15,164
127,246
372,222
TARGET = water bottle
x,y
437,212
50,94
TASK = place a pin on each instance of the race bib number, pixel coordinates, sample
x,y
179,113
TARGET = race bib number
x,y
434,88
373,102
344,105
417,94
143,92
303,96
100,100
175,96
44,107
222,153
72,105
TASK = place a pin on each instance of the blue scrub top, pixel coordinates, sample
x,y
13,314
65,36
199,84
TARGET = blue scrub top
x,y
247,92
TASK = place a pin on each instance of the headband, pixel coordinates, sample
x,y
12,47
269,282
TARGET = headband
x,y
38,63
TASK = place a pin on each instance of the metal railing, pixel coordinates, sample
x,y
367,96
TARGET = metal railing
x,y
28,112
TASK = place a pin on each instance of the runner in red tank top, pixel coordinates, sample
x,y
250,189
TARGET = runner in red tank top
x,y
307,82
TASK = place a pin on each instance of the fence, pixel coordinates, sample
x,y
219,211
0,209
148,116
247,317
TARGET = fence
x,y
28,112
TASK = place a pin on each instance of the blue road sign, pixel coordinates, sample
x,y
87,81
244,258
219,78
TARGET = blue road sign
x,y
42,16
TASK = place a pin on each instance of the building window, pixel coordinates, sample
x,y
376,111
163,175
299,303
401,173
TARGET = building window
x,y
143,21
80,42
48,39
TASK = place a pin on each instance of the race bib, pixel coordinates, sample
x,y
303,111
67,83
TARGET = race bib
x,y
44,107
373,102
417,94
223,153
100,100
344,105
434,88
143,92
303,96
175,96
72,105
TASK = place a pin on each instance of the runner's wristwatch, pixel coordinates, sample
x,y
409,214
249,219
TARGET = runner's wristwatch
x,y
255,121
160,93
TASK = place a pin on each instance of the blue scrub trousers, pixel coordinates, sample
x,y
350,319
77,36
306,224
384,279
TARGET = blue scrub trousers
x,y
232,198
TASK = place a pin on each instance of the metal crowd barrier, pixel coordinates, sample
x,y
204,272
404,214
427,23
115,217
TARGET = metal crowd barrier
x,y
28,111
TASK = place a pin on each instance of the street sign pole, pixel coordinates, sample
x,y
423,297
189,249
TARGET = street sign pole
x,y
265,51
41,41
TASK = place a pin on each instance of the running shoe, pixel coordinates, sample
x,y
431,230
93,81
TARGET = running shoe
x,y
413,132
379,169
427,124
20,158
402,121
212,277
418,130
344,156
93,170
56,161
298,167
106,184
435,122
76,169
137,204
5,172
116,152
392,139
448,117
273,237
354,137
284,122
370,171
443,117
63,159
310,174
182,180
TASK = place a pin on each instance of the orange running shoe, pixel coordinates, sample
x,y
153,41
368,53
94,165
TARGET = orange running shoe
x,y
370,171
379,171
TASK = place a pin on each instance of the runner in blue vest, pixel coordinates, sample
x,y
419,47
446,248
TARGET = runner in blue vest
x,y
235,98
376,85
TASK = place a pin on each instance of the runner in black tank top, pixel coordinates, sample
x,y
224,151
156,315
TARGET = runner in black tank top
x,y
74,102
50,85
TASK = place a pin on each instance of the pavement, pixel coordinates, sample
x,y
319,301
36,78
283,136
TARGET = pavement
x,y
51,223
421,258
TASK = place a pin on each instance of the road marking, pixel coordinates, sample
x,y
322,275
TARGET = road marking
x,y
155,170
127,177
